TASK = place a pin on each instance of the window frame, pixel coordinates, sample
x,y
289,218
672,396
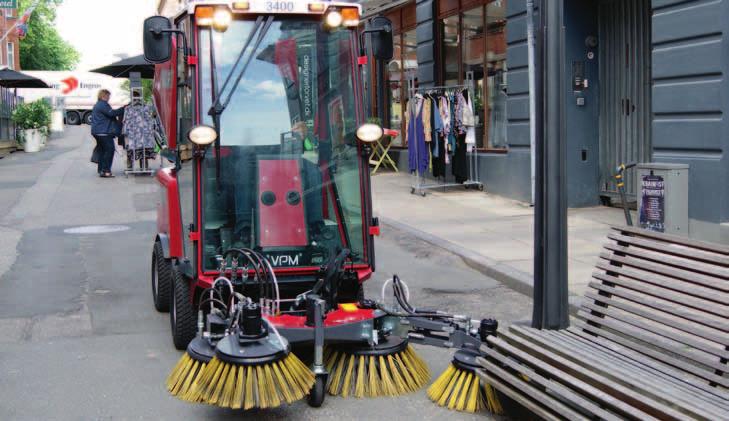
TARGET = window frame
x,y
10,55
464,6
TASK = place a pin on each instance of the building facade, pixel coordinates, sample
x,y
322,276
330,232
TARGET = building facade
x,y
10,45
644,82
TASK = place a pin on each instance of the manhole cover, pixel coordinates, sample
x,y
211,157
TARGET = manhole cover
x,y
96,229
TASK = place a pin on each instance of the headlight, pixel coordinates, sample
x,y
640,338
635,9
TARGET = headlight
x,y
202,135
369,132
222,19
333,19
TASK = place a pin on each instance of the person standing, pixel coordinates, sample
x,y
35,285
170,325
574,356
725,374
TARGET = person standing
x,y
104,127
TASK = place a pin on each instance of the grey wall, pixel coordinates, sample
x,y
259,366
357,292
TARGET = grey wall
x,y
426,36
691,98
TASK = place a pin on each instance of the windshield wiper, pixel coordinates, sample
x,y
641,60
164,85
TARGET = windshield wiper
x,y
218,107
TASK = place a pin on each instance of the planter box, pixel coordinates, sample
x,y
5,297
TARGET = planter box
x,y
33,140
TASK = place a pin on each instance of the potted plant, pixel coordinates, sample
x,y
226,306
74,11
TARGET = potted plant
x,y
33,119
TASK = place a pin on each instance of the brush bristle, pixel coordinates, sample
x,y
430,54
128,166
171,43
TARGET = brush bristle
x,y
374,376
181,380
462,390
264,386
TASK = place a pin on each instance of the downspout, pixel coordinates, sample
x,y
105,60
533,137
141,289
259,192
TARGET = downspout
x,y
532,91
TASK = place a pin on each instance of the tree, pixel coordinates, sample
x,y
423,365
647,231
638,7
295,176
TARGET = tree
x,y
43,48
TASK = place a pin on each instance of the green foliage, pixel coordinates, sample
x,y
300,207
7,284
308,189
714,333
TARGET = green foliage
x,y
43,48
147,85
33,115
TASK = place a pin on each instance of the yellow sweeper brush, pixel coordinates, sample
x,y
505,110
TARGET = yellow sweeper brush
x,y
459,387
253,368
390,368
186,374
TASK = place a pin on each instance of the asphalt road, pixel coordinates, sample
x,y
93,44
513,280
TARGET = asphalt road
x,y
79,336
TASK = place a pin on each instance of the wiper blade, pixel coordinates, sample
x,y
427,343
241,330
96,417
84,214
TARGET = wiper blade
x,y
219,106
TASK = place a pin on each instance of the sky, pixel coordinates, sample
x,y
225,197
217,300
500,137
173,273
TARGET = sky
x,y
99,29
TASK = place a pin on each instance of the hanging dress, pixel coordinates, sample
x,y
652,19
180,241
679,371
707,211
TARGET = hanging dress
x,y
417,149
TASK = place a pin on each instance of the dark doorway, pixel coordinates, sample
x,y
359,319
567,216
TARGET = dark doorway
x,y
625,89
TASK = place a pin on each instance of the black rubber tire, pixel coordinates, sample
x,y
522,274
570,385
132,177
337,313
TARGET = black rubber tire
x,y
318,392
73,118
162,284
86,119
182,315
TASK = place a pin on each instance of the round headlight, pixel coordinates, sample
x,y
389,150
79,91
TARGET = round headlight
x,y
202,135
369,132
333,19
222,19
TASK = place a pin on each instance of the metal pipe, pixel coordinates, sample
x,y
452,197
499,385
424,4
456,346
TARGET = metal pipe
x,y
532,91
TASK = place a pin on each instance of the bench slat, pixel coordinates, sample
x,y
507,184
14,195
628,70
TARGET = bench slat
x,y
653,304
654,340
639,322
696,303
521,399
688,242
554,387
668,279
671,261
666,248
620,372
672,361
567,378
693,385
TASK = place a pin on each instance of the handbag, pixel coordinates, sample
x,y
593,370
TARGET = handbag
x,y
96,154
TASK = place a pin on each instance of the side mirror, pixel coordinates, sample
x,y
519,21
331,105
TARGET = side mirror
x,y
157,39
381,38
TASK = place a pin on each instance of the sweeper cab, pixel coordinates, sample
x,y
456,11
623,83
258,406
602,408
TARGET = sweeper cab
x,y
265,226
263,114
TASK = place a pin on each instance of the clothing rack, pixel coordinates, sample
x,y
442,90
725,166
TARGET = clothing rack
x,y
139,160
419,183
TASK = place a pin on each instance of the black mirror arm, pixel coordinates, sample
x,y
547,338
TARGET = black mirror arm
x,y
362,51
158,32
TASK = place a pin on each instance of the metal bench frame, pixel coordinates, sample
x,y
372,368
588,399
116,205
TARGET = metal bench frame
x,y
651,340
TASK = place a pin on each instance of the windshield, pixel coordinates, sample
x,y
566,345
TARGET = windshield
x,y
289,167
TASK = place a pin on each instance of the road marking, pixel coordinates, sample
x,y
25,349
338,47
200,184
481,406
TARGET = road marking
x,y
96,229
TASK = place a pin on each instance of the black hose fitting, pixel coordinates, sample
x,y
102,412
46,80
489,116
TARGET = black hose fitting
x,y
488,328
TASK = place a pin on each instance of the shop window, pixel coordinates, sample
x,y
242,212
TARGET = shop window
x,y
402,73
496,65
396,91
473,51
451,58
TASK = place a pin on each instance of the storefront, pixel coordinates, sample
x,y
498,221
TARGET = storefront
x,y
644,82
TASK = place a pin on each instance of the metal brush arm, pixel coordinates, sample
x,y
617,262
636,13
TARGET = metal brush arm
x,y
443,334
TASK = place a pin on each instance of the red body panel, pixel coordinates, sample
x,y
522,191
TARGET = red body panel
x,y
165,96
334,318
281,224
169,220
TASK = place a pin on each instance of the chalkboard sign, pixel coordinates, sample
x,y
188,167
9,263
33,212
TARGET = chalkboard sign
x,y
652,203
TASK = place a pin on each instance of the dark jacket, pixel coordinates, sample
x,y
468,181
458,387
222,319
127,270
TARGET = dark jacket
x,y
103,118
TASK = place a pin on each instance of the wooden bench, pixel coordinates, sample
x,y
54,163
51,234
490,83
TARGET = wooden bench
x,y
651,340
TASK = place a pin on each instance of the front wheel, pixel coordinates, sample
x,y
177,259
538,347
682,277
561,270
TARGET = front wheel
x,y
87,118
161,279
316,396
182,314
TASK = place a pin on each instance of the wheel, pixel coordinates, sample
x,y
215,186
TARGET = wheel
x,y
480,187
73,118
182,315
161,279
316,396
412,190
422,193
87,118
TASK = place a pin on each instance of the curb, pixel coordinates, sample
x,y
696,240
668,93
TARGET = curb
x,y
512,278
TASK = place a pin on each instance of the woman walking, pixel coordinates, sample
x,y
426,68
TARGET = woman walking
x,y
104,128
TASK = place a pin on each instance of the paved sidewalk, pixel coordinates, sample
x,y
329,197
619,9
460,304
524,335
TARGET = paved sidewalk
x,y
491,233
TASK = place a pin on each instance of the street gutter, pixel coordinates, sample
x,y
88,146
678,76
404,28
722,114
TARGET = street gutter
x,y
510,277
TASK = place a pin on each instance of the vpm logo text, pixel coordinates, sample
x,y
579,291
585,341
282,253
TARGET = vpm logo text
x,y
71,83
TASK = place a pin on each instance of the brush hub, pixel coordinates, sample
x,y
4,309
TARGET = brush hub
x,y
391,345
465,359
199,349
241,351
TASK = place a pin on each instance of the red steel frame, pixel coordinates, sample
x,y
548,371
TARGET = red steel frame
x,y
172,224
